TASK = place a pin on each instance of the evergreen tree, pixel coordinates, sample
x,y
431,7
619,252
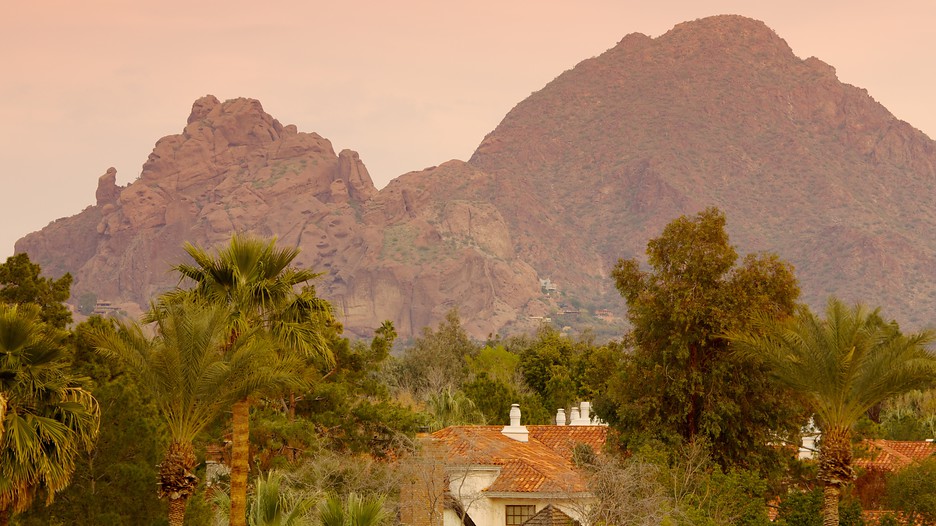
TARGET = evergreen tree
x,y
682,382
21,282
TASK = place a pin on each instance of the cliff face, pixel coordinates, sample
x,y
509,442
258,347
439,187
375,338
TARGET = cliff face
x,y
716,112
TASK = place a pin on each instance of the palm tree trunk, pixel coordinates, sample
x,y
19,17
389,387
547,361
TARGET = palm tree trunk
x,y
177,482
240,450
835,470
177,511
830,505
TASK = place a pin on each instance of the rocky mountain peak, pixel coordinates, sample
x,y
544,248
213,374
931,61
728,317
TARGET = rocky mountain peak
x,y
202,107
727,34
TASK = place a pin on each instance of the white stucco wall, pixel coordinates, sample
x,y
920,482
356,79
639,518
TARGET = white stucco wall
x,y
468,485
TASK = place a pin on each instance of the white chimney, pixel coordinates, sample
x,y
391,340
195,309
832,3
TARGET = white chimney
x,y
560,417
515,430
582,417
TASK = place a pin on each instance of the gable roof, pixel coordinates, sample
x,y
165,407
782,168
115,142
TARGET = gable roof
x,y
550,516
891,455
541,465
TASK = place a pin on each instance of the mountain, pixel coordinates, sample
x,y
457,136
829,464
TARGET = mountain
x,y
716,112
389,255
720,112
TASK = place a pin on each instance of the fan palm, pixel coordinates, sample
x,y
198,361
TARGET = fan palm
x,y
356,511
844,364
193,369
45,418
254,278
274,503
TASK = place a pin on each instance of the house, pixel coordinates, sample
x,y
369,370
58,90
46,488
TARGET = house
x,y
880,458
893,455
503,475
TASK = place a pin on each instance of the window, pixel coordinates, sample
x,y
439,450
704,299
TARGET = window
x,y
517,515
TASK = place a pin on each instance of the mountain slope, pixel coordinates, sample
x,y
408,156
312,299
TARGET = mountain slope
x,y
719,112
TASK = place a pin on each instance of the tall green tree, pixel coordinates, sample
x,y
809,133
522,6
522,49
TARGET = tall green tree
x,y
256,279
682,382
193,369
844,364
46,418
21,282
553,365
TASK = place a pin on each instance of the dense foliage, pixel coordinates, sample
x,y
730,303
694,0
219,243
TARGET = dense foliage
x,y
21,282
844,364
704,429
912,492
681,381
114,482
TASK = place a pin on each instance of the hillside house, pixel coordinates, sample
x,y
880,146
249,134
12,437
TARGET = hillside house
x,y
503,475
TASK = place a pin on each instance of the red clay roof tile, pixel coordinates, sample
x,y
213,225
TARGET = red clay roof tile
x,y
890,455
542,465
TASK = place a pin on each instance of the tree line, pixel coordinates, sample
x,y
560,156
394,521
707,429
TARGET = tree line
x,y
706,394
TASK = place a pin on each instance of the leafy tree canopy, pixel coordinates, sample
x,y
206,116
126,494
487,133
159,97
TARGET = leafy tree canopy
x,y
437,359
552,365
20,282
912,492
682,382
350,404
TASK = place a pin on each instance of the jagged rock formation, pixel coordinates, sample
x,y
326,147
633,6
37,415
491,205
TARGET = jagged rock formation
x,y
715,112
234,168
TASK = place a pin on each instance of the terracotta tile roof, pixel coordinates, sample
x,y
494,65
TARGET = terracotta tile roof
x,y
542,465
890,455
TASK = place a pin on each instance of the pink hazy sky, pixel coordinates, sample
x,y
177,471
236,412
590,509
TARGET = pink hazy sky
x,y
408,84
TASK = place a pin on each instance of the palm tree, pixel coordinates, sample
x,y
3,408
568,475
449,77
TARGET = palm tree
x,y
194,370
450,407
45,418
356,511
255,279
844,364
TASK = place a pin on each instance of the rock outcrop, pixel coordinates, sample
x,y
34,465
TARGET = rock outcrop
x,y
234,168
